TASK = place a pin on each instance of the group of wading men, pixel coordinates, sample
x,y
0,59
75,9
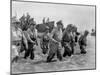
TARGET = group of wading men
x,y
51,43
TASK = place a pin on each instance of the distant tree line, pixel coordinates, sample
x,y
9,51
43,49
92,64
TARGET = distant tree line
x,y
24,22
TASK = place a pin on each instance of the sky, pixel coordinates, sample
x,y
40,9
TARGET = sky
x,y
81,16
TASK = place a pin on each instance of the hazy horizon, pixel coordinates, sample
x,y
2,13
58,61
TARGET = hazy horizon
x,y
82,16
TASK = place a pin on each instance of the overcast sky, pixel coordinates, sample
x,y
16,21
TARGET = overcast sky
x,y
82,16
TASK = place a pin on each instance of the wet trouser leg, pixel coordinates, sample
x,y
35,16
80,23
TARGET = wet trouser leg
x,y
15,59
50,57
82,48
67,51
45,48
23,47
59,56
32,54
72,47
29,52
52,51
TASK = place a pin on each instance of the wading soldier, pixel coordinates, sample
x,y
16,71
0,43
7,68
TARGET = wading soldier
x,y
45,41
55,42
67,40
31,41
16,41
74,38
83,42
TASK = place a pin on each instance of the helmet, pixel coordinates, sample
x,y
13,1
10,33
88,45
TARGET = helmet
x,y
59,22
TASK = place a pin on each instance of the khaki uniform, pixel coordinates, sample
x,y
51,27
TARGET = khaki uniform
x,y
82,43
67,43
16,43
44,43
31,38
55,44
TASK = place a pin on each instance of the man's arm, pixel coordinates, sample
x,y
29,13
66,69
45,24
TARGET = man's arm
x,y
36,37
30,39
52,34
28,36
63,35
25,41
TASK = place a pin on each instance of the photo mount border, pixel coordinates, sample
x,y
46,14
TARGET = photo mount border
x,y
59,4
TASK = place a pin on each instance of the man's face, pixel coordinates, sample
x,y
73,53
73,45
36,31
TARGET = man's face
x,y
32,27
59,26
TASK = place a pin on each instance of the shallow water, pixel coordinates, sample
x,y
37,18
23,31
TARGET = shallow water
x,y
75,62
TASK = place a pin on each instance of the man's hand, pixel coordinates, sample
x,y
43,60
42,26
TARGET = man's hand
x,y
33,42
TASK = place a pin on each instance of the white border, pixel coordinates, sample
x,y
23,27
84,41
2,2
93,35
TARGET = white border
x,y
5,37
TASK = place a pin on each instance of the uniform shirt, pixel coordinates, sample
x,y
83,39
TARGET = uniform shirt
x,y
45,37
67,36
82,40
16,34
16,38
56,34
29,34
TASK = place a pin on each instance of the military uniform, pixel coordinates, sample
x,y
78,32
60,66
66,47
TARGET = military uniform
x,y
67,43
16,43
30,36
83,42
55,44
44,43
74,37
